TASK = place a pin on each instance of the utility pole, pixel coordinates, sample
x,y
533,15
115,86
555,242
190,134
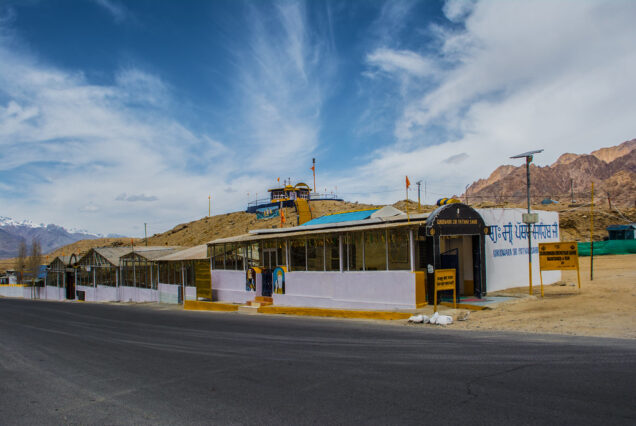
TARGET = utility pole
x,y
529,218
592,234
419,203
313,168
209,205
572,189
146,233
466,194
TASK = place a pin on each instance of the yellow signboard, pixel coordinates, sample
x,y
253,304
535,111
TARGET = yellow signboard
x,y
203,280
558,257
444,280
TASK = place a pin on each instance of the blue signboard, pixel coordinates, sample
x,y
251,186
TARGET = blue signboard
x,y
267,212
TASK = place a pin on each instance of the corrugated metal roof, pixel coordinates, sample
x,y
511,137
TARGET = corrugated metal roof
x,y
111,254
192,253
300,232
153,253
341,217
621,227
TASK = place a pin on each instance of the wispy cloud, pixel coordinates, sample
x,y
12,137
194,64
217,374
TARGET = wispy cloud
x,y
396,61
135,197
282,84
118,11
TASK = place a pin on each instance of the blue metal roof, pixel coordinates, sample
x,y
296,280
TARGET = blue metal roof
x,y
341,217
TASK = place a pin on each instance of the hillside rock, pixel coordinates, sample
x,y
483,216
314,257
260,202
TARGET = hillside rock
x,y
611,169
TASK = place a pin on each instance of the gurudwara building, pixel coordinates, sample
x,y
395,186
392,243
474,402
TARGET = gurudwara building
x,y
376,259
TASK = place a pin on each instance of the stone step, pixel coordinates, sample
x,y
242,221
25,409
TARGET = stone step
x,y
264,299
245,309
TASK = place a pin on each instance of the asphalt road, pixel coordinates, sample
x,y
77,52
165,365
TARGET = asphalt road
x,y
81,363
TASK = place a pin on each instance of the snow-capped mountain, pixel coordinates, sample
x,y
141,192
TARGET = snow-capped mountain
x,y
50,236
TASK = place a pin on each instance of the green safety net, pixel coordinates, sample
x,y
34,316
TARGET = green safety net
x,y
608,247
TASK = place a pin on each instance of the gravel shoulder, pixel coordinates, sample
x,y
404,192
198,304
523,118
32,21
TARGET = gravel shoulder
x,y
604,307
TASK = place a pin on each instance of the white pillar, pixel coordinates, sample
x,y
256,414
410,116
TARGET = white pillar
x,y
412,250
340,253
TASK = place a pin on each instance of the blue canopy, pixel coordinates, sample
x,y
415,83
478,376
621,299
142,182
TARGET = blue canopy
x,y
342,217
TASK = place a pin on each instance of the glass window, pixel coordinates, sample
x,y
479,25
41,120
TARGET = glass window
x,y
218,254
375,250
332,253
253,255
280,251
354,251
315,254
297,254
230,256
399,249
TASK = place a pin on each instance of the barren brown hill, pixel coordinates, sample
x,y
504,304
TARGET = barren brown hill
x,y
611,169
226,225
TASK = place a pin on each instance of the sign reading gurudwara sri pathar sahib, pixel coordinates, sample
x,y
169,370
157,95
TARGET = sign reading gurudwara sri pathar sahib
x,y
559,256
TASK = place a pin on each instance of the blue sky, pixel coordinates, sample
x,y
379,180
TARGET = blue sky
x,y
117,113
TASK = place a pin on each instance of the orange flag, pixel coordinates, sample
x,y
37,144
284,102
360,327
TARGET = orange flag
x,y
408,182
313,168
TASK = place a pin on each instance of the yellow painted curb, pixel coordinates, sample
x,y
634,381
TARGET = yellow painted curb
x,y
195,305
465,306
338,313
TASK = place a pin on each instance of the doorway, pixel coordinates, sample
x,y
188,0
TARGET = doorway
x,y
457,252
70,285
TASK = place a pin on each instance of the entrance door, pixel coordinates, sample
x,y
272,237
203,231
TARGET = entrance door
x,y
70,285
450,260
269,263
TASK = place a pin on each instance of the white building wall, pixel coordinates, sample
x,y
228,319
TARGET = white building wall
x,y
89,292
507,247
353,290
138,295
191,293
229,286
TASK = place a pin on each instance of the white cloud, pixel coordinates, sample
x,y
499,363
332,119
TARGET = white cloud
x,y
394,61
519,76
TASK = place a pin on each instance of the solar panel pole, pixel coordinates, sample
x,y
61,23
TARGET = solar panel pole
x,y
528,161
528,218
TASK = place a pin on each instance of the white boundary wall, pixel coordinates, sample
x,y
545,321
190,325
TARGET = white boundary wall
x,y
354,290
507,247
12,290
54,293
169,293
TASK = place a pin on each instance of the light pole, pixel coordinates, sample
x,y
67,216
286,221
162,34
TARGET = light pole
x,y
529,218
419,203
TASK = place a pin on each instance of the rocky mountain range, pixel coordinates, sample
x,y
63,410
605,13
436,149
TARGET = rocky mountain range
x,y
612,169
50,236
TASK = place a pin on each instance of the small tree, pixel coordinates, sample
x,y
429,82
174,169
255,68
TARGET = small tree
x,y
35,259
20,261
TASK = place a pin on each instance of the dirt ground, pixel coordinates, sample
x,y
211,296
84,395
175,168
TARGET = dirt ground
x,y
604,307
